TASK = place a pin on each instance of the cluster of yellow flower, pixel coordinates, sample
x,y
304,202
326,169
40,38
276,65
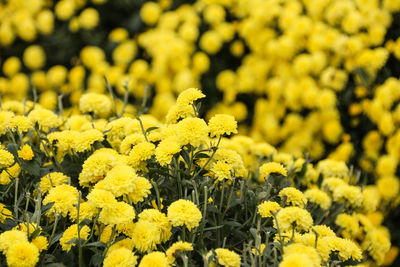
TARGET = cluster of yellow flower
x,y
106,179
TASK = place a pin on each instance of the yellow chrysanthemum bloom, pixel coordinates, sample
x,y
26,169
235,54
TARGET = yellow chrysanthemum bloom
x,y
71,233
224,257
8,238
145,235
22,254
120,180
349,193
349,223
287,217
6,158
293,196
184,212
11,172
64,197
222,124
150,12
26,152
122,257
86,211
51,180
45,118
389,187
34,57
310,252
101,198
192,131
119,213
271,167
4,213
141,190
318,197
265,208
221,171
177,112
20,123
41,243
166,149
99,104
141,152
160,220
188,96
152,259
175,248
296,260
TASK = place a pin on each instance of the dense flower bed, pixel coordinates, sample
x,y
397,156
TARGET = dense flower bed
x,y
107,158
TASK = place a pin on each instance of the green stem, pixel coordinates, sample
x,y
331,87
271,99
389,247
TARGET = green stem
x,y
79,231
203,221
16,198
142,127
157,194
54,227
209,159
178,176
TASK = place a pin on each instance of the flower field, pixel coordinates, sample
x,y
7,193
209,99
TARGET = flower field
x,y
199,133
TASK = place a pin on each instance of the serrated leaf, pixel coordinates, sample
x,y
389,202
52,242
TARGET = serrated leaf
x,y
84,222
32,167
55,238
185,156
232,223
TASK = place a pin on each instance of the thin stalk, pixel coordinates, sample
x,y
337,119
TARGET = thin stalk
x,y
54,227
178,176
209,159
79,231
143,131
157,194
126,96
203,221
111,93
16,198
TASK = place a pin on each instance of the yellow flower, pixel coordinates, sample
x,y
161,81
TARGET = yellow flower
x,y
159,220
348,222
221,171
188,96
153,259
119,213
166,149
120,180
51,180
296,260
64,197
89,18
71,233
175,248
141,152
44,117
177,112
377,243
6,158
184,212
349,193
296,249
86,211
99,104
101,198
22,254
26,152
145,235
4,213
20,123
224,257
293,196
8,238
222,124
192,131
293,217
388,187
121,257
265,208
141,190
150,12
34,57
271,167
40,242
318,197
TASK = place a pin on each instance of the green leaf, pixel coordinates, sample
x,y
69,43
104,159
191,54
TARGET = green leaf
x,y
96,260
185,156
151,129
75,241
84,222
55,238
96,244
201,156
47,207
13,149
232,223
32,167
